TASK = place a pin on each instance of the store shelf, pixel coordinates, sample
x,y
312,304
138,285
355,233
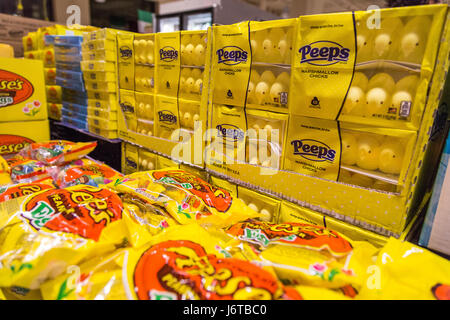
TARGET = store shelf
x,y
108,150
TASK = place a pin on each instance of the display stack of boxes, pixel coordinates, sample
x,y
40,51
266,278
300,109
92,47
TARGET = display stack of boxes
x,y
352,136
161,80
70,78
99,68
23,105
35,48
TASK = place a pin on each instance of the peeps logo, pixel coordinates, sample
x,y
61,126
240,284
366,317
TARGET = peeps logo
x,y
167,116
323,53
313,150
168,54
125,52
126,107
230,132
231,55
130,163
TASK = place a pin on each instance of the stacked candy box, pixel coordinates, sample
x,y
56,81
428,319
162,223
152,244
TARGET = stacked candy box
x,y
193,48
378,80
69,77
100,75
35,48
144,68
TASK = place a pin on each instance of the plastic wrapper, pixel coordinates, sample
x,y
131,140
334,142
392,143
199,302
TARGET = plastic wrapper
x,y
184,262
405,271
25,170
43,234
307,254
24,189
5,178
85,171
57,152
185,197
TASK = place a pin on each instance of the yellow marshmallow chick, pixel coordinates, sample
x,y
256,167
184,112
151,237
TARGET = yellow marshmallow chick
x,y
275,36
368,152
262,92
187,117
377,101
143,51
360,80
268,77
284,78
256,53
196,73
254,76
275,92
251,98
354,103
349,149
401,99
189,54
408,84
386,39
391,157
268,50
382,80
199,55
364,41
189,84
414,39
198,86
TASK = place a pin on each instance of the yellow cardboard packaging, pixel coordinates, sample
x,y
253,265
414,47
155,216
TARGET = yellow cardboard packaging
x,y
147,160
166,117
267,206
125,60
270,77
14,136
230,64
130,158
163,162
22,86
167,63
127,102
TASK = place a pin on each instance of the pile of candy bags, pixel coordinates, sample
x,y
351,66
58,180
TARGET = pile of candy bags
x,y
74,228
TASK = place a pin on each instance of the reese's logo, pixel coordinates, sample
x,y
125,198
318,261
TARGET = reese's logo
x,y
14,88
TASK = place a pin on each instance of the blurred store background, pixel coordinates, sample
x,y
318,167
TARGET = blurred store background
x,y
169,15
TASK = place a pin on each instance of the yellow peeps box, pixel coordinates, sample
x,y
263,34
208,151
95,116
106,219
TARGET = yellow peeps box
x,y
22,90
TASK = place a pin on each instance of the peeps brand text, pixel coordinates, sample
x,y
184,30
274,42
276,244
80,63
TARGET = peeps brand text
x,y
167,116
125,52
230,132
231,55
313,150
168,54
323,53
